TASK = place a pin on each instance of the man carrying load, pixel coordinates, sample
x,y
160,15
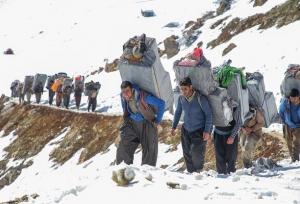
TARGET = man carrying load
x,y
197,126
142,113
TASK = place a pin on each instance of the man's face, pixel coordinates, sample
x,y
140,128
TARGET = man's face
x,y
186,91
295,100
127,93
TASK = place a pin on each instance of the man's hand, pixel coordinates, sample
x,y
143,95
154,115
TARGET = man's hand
x,y
230,140
246,130
206,136
173,132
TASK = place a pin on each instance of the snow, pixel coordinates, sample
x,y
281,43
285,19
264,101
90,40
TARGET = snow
x,y
91,181
76,36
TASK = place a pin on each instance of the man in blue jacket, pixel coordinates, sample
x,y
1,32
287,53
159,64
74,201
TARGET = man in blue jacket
x,y
197,125
289,111
142,113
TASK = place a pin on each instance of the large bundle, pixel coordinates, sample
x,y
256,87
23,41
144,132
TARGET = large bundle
x,y
140,51
61,75
291,80
201,77
14,85
67,82
221,108
239,95
152,77
176,97
256,88
39,80
90,87
79,83
28,81
50,81
270,109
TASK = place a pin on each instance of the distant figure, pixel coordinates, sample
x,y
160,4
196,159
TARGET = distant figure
x,y
92,100
20,91
66,96
51,81
59,95
78,90
38,91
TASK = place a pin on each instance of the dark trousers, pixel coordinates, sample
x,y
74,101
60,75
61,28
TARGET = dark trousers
x,y
92,103
58,98
66,100
193,147
134,133
226,154
38,96
51,96
292,137
78,100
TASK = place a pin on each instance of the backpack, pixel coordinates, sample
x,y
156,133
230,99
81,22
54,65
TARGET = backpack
x,y
79,83
256,89
227,74
38,88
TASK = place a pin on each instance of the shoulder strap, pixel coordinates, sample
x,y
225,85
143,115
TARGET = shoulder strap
x,y
199,99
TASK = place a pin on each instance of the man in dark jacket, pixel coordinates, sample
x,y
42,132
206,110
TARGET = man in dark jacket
x,y
197,125
92,100
66,96
59,95
289,111
142,113
38,91
226,143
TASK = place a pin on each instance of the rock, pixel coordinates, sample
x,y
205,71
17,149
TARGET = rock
x,y
236,179
9,51
183,187
35,196
280,15
161,52
259,2
223,7
230,47
129,174
171,46
172,25
123,176
173,185
149,176
164,166
199,44
219,22
189,24
148,13
199,177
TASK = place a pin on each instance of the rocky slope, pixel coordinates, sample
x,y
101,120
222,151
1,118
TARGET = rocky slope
x,y
34,126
